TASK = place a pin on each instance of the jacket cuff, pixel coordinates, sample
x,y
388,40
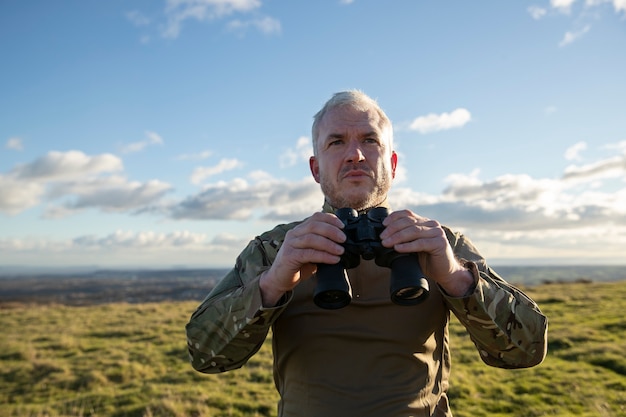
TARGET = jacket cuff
x,y
257,312
473,269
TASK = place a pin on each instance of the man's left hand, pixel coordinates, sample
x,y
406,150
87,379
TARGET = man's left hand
x,y
407,232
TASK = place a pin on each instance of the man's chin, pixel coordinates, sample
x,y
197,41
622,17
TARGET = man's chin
x,y
360,201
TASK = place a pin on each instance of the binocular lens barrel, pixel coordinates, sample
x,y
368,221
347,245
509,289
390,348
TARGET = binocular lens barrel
x,y
408,283
333,288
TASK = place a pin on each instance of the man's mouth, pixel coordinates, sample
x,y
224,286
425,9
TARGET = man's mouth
x,y
355,172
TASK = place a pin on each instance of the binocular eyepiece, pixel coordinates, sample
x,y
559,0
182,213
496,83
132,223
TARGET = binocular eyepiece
x,y
408,283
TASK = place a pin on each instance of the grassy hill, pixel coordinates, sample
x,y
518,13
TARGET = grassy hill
x,y
129,360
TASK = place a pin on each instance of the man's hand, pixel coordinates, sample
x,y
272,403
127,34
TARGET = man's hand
x,y
316,240
406,232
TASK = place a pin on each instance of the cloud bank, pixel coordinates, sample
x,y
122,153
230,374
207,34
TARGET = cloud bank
x,y
178,13
506,213
79,181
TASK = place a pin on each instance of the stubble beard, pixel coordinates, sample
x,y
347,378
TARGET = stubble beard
x,y
363,201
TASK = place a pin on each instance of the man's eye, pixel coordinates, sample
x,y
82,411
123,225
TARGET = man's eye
x,y
336,142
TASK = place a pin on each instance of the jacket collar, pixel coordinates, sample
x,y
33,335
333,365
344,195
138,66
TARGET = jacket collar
x,y
327,208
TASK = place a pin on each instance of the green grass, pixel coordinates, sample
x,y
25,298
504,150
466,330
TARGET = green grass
x,y
131,360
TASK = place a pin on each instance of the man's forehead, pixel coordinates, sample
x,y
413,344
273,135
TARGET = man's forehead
x,y
346,117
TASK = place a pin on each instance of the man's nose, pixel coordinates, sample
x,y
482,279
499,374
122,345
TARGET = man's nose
x,y
354,153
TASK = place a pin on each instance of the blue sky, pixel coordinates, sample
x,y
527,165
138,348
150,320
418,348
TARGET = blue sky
x,y
169,133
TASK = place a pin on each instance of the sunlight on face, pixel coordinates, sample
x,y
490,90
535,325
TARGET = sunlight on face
x,y
354,162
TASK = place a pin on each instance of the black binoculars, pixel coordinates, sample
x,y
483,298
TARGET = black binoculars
x,y
408,283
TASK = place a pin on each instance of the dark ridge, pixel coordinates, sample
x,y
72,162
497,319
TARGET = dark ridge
x,y
143,285
109,286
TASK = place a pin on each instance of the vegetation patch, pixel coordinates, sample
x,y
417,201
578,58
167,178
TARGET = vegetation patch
x,y
130,360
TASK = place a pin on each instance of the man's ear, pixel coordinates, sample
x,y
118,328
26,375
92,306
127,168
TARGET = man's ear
x,y
394,163
315,168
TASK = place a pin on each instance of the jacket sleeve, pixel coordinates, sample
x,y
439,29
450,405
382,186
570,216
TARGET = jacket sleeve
x,y
506,326
230,325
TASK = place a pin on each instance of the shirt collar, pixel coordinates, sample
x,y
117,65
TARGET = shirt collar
x,y
328,208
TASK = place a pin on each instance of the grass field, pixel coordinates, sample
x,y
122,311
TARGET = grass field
x,y
130,360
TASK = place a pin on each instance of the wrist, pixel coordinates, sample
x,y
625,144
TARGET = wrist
x,y
460,283
270,295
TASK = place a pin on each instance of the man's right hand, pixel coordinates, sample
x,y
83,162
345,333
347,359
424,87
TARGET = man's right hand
x,y
318,239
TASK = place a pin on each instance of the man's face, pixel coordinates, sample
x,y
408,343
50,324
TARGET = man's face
x,y
354,163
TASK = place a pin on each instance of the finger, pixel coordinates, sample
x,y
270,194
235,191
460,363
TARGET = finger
x,y
326,218
315,242
399,220
324,224
431,240
412,233
399,228
321,257
413,246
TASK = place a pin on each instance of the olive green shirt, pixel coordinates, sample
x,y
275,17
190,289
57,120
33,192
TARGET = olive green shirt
x,y
373,357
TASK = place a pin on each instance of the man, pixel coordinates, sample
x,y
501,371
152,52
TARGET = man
x,y
372,357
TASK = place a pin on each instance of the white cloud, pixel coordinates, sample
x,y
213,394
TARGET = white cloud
x,y
517,203
195,156
137,18
620,146
266,25
507,215
505,190
119,240
563,6
570,37
77,181
566,7
201,173
57,166
129,239
572,245
152,138
259,175
537,12
228,240
444,121
24,186
573,152
109,194
17,196
126,249
506,203
513,216
618,5
15,144
301,153
178,11
613,167
239,199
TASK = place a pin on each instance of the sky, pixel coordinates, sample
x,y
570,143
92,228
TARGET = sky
x,y
169,133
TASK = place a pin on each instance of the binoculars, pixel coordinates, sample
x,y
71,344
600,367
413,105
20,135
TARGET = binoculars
x,y
408,283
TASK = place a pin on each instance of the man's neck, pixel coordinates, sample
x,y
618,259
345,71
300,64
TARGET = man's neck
x,y
329,208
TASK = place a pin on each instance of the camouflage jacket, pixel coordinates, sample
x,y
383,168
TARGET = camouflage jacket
x,y
230,326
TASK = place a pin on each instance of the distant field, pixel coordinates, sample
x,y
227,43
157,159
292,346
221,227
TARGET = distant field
x,y
129,359
534,275
139,286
